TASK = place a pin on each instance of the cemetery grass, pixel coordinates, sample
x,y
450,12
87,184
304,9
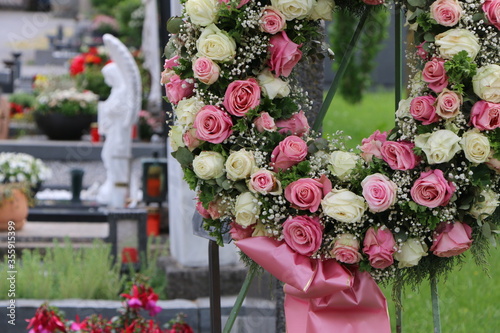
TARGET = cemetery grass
x,y
468,297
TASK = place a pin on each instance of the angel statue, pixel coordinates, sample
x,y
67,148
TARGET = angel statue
x,y
116,117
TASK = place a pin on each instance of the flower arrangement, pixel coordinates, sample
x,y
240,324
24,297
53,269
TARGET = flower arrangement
x,y
86,68
69,102
21,104
407,206
48,319
22,168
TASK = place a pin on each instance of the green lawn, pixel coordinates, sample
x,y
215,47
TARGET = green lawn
x,y
469,299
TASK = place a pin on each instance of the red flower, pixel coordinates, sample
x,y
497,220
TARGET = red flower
x,y
77,65
46,321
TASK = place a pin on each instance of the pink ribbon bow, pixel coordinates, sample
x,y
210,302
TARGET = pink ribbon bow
x,y
321,295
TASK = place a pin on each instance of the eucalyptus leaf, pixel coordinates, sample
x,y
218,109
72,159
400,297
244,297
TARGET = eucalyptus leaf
x,y
429,37
174,25
183,156
417,3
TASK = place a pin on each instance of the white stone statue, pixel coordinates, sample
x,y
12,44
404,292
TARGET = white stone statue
x,y
116,117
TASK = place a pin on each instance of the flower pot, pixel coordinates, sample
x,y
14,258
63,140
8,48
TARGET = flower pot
x,y
61,127
14,208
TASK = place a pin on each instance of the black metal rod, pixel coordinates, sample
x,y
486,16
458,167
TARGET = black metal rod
x,y
214,280
399,54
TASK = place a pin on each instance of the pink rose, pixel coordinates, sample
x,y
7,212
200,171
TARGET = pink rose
x,y
203,212
421,52
285,54
166,75
492,10
292,150
422,108
452,239
435,75
399,155
432,189
212,124
306,193
371,146
485,116
379,192
272,21
171,63
493,164
178,89
448,104
241,4
297,124
190,140
379,245
303,234
238,232
264,122
446,12
346,249
264,182
241,96
206,70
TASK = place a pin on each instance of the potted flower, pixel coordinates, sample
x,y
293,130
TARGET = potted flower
x,y
20,175
85,69
65,114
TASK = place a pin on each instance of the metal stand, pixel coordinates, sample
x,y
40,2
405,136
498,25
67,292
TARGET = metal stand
x,y
435,303
214,281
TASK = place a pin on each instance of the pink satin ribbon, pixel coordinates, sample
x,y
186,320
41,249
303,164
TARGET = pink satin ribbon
x,y
321,296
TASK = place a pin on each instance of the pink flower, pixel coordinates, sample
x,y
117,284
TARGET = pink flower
x,y
190,140
452,239
172,62
202,210
303,234
379,192
432,189
153,308
241,4
492,10
272,21
178,89
373,2
485,116
241,96
446,12
371,146
306,193
297,124
292,150
448,104
134,303
206,70
379,245
285,54
435,75
346,249
422,108
399,155
493,164
264,181
212,124
238,232
421,52
264,122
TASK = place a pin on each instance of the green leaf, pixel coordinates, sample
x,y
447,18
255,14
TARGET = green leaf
x,y
190,178
184,156
429,37
174,24
417,3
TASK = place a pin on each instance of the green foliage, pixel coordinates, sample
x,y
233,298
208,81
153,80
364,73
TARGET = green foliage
x,y
460,70
26,100
92,79
105,7
130,16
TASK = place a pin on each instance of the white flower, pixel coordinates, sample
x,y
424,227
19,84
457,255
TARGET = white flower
x,y
322,10
175,135
293,9
202,12
216,44
486,83
208,165
186,110
476,146
439,146
341,163
246,209
453,41
404,108
410,253
486,205
344,206
272,86
239,164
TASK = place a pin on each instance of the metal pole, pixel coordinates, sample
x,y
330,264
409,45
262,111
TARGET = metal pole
x,y
239,300
214,281
435,303
399,54
399,309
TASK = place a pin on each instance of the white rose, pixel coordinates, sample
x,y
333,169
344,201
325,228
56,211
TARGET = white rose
x,y
476,146
344,206
439,146
202,12
341,163
404,109
186,110
239,164
272,86
216,44
175,135
322,10
246,209
293,9
410,253
486,206
208,165
486,83
453,41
